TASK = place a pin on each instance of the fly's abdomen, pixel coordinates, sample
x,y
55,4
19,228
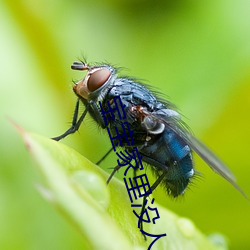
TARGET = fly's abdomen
x,y
173,157
180,165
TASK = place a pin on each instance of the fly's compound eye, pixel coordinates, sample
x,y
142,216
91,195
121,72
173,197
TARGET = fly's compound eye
x,y
97,79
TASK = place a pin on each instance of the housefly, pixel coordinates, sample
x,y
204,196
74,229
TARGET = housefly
x,y
162,138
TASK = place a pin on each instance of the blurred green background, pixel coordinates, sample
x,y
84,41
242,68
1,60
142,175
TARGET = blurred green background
x,y
196,52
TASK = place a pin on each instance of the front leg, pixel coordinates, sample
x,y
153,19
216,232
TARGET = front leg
x,y
75,124
153,187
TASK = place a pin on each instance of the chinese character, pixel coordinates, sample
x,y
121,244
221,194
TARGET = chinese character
x,y
118,137
110,111
158,236
126,159
143,184
140,217
147,220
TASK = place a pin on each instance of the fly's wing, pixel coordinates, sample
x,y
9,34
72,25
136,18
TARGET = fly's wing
x,y
212,160
174,123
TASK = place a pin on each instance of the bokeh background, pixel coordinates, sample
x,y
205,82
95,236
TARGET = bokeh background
x,y
195,52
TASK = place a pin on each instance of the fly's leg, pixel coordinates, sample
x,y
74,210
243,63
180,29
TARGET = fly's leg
x,y
134,175
104,157
153,187
113,173
156,183
75,124
117,168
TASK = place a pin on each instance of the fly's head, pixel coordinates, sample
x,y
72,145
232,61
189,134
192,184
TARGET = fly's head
x,y
93,84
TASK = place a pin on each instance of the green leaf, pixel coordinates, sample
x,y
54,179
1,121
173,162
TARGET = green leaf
x,y
102,213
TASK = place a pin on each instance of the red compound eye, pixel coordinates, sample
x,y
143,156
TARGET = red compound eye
x,y
97,79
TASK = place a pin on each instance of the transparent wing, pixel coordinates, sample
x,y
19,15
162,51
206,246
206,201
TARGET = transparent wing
x,y
208,156
175,124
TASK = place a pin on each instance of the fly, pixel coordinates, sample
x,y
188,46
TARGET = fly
x,y
162,138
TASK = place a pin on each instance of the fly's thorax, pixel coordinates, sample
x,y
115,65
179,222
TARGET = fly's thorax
x,y
95,84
